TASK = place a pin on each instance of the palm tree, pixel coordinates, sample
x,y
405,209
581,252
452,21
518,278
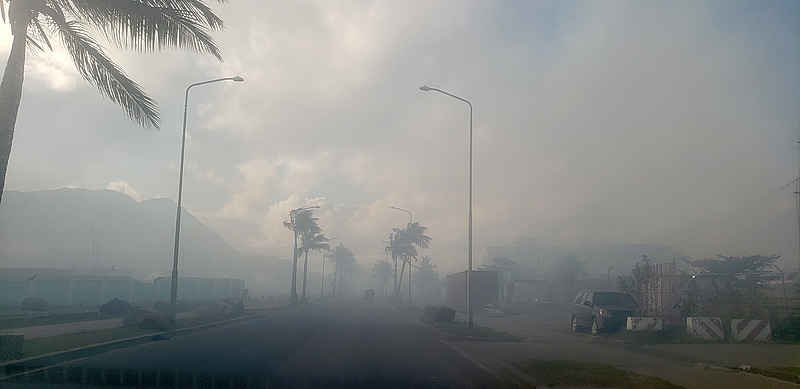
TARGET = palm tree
x,y
403,244
311,242
298,222
140,25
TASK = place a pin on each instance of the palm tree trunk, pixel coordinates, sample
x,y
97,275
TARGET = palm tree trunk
x,y
10,96
294,269
305,272
400,281
335,279
410,269
322,285
394,275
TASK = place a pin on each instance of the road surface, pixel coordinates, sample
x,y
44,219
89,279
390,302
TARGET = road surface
x,y
334,345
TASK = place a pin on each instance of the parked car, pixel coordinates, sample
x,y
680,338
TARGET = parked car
x,y
599,311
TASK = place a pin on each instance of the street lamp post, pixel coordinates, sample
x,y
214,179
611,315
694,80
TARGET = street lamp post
x,y
176,247
426,88
292,214
410,216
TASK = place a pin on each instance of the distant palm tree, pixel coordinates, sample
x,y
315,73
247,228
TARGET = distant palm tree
x,y
140,25
312,242
403,245
299,222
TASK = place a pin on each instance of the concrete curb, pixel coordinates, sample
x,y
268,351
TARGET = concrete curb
x,y
20,367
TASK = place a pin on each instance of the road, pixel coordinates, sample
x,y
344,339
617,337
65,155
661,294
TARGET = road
x,y
333,345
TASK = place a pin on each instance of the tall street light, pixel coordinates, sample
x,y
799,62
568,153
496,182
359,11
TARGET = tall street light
x,y
410,216
426,88
292,214
174,286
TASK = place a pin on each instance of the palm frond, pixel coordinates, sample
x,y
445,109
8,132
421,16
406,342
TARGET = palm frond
x,y
94,66
40,33
33,44
150,25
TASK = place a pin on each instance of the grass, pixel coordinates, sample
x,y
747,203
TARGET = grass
x,y
572,373
39,346
460,331
784,373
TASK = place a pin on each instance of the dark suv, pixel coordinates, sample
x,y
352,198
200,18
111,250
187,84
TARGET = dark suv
x,y
601,311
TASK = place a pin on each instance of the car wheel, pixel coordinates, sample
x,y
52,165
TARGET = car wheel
x,y
595,328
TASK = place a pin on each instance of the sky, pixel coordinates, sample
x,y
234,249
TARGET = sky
x,y
622,122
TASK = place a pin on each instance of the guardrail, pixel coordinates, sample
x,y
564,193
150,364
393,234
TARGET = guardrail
x,y
40,363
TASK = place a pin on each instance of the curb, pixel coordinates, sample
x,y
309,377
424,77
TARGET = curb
x,y
21,367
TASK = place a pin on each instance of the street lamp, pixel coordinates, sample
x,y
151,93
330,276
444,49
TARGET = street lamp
x,y
410,216
426,88
292,214
174,286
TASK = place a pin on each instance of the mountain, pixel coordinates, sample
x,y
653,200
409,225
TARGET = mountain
x,y
71,228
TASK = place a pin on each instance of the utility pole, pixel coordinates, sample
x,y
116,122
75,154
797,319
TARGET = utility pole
x,y
797,193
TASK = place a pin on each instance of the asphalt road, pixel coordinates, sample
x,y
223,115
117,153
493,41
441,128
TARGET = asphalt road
x,y
334,345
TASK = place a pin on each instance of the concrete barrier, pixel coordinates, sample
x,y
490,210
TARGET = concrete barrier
x,y
11,345
640,323
744,330
708,328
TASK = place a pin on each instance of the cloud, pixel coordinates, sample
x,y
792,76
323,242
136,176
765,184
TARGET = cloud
x,y
594,122
126,188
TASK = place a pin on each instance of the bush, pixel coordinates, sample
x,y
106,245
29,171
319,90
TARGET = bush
x,y
438,314
147,320
34,304
787,329
115,307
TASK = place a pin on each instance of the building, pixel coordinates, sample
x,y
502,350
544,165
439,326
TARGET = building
x,y
66,287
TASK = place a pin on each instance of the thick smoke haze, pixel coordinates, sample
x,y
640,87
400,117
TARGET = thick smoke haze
x,y
662,123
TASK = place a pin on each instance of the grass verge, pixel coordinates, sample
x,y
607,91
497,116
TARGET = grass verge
x,y
39,346
460,331
784,373
572,373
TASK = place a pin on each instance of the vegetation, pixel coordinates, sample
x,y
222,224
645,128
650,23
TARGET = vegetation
x,y
312,241
403,244
301,222
345,263
580,374
136,25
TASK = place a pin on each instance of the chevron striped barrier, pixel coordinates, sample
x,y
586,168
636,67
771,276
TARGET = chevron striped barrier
x,y
640,323
743,330
708,328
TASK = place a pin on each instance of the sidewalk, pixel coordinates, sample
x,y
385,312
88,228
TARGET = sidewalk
x,y
547,337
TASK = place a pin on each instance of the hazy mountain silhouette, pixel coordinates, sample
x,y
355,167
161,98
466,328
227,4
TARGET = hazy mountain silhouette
x,y
102,228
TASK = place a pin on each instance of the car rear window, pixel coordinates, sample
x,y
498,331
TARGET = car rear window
x,y
610,298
